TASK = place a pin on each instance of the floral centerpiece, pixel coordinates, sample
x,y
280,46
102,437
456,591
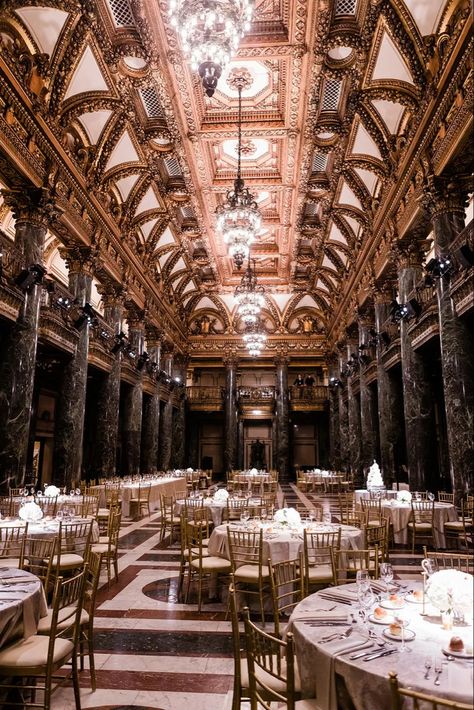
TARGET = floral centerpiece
x,y
30,512
404,496
51,491
287,516
221,495
451,590
253,472
189,470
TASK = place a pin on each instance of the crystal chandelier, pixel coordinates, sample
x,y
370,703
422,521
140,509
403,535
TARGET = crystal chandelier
x,y
249,296
254,339
238,218
210,31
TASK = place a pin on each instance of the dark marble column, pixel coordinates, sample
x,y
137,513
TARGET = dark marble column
x,y
192,439
367,415
34,211
354,423
446,204
282,417
133,400
107,420
417,398
179,413
342,407
334,425
390,397
151,412
231,414
70,406
240,452
166,417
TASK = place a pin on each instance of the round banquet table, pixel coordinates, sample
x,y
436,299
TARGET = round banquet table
x,y
328,673
216,508
399,515
22,604
281,544
364,493
49,528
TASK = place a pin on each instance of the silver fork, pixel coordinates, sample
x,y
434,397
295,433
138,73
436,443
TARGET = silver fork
x,y
333,637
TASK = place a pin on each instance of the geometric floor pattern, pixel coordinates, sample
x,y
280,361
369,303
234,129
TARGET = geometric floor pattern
x,y
153,652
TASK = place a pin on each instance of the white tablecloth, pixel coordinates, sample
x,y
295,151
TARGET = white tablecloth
x,y
279,545
128,491
216,509
49,528
363,493
22,604
367,683
400,513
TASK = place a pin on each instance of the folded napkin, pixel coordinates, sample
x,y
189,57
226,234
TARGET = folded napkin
x,y
381,587
320,615
336,594
351,643
16,580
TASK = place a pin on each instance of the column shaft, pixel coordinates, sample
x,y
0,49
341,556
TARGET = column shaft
x,y
133,406
166,432
151,420
354,425
367,415
231,415
282,418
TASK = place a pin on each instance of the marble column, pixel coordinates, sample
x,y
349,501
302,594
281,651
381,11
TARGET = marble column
x,y
192,439
367,415
34,211
417,398
282,417
389,394
133,400
151,411
446,204
108,404
166,416
70,405
354,423
342,407
240,452
230,414
179,413
334,425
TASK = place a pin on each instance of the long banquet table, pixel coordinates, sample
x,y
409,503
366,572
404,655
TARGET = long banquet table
x,y
22,604
47,528
328,673
170,485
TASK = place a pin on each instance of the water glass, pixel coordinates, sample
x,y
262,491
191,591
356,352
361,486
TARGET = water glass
x,y
362,579
386,573
366,598
244,517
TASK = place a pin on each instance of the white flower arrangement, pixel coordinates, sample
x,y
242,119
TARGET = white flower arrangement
x,y
449,590
253,472
287,516
189,470
51,491
404,496
221,495
30,512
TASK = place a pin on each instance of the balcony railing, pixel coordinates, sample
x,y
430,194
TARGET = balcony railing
x,y
199,394
256,394
302,394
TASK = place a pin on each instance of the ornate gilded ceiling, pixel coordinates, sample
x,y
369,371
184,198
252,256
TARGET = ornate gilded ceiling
x,y
336,88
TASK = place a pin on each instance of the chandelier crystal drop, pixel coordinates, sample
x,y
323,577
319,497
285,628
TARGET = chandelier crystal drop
x,y
254,339
210,31
250,297
238,218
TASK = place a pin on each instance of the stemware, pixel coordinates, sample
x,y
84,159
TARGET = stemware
x,y
362,579
428,666
403,624
366,598
386,574
244,517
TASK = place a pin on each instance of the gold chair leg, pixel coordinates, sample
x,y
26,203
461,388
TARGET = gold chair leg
x,y
90,644
75,681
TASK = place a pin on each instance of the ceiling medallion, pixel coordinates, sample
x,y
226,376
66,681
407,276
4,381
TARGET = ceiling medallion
x,y
238,218
250,297
210,31
254,339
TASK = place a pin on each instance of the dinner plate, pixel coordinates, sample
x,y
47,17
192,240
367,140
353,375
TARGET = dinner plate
x,y
387,604
409,635
413,600
385,621
466,653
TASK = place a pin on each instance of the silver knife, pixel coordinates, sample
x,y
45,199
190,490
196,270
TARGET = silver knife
x,y
366,652
380,654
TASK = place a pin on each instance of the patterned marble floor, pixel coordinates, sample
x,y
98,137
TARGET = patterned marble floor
x,y
153,652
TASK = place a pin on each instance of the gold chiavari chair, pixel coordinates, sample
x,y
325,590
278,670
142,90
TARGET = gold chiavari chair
x,y
451,560
107,547
12,545
200,563
37,659
372,507
73,547
89,506
169,520
462,529
234,508
421,523
302,481
5,506
271,670
316,563
315,511
246,558
376,538
38,559
348,562
286,584
418,700
444,497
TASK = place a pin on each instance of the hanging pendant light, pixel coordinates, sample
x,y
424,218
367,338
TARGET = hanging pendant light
x,y
238,218
254,339
249,295
210,31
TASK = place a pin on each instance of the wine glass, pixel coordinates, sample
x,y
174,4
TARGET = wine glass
x,y
366,598
403,624
431,496
362,579
264,515
386,574
244,517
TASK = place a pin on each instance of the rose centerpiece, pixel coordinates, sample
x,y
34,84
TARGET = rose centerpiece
x,y
404,496
30,512
287,516
221,495
450,591
51,491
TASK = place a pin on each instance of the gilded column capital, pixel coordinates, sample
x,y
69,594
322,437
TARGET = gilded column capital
x,y
442,195
230,360
80,259
154,335
406,255
383,292
33,205
112,293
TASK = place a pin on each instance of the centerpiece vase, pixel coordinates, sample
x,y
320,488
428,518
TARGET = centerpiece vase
x,y
447,619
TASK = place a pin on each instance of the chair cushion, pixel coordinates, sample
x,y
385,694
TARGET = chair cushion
x,y
103,513
29,657
212,564
421,526
251,573
102,547
457,525
267,678
10,562
44,625
320,573
68,560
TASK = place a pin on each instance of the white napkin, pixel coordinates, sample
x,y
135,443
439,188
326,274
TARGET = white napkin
x,y
335,594
320,615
